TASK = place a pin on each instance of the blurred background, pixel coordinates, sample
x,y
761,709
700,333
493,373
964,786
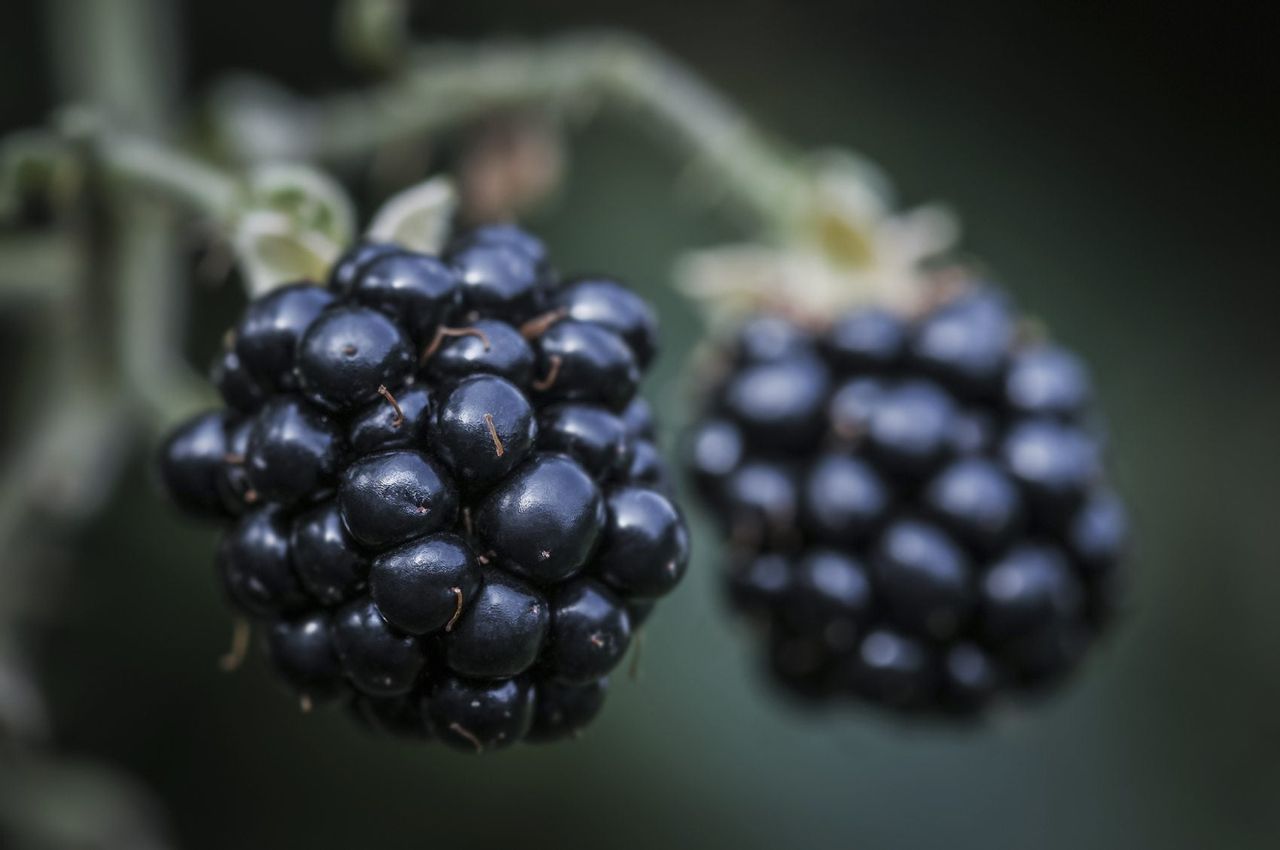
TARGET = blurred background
x,y
1112,167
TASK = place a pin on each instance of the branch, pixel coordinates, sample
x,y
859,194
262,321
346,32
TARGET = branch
x,y
137,162
447,86
37,268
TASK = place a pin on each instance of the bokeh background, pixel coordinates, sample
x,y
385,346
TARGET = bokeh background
x,y
1110,163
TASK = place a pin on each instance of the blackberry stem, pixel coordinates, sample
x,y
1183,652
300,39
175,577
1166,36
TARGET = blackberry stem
x,y
457,609
233,659
449,85
493,432
538,325
398,419
443,333
553,372
458,729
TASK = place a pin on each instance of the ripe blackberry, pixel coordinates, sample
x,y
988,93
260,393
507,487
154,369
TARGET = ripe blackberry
x,y
446,505
916,506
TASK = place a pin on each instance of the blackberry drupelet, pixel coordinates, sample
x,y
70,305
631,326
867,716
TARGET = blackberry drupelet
x,y
916,507
446,505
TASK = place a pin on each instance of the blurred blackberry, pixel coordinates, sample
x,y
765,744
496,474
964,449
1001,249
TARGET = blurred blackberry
x,y
443,498
916,507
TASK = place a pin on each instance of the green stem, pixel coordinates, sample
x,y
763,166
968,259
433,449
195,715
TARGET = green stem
x,y
118,59
141,163
37,269
113,338
449,85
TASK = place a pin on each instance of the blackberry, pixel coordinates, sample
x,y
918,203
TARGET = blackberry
x,y
543,521
232,476
419,292
420,586
292,451
347,271
327,560
477,715
390,497
445,504
302,653
563,709
484,430
234,383
612,305
637,418
501,633
583,361
255,564
645,546
779,400
195,455
500,278
485,346
591,632
349,352
382,425
916,507
379,660
266,339
591,435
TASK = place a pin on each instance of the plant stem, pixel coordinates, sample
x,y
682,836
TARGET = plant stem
x,y
37,269
444,86
111,340
148,165
118,59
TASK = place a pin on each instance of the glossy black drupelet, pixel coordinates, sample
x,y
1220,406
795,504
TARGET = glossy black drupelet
x,y
916,509
448,509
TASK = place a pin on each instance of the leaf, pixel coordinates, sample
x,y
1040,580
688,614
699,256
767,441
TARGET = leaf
x,y
311,199
296,222
272,252
417,218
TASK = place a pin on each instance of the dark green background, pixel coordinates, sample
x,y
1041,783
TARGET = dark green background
x,y
1111,166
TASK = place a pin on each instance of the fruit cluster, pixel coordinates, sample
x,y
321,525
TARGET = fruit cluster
x,y
916,507
446,502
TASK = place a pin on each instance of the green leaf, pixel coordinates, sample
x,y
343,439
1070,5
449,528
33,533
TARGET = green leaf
x,y
273,252
296,222
417,218
311,199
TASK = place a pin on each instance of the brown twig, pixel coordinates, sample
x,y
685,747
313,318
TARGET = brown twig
x,y
398,419
538,325
553,372
443,333
457,609
459,729
233,658
493,432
